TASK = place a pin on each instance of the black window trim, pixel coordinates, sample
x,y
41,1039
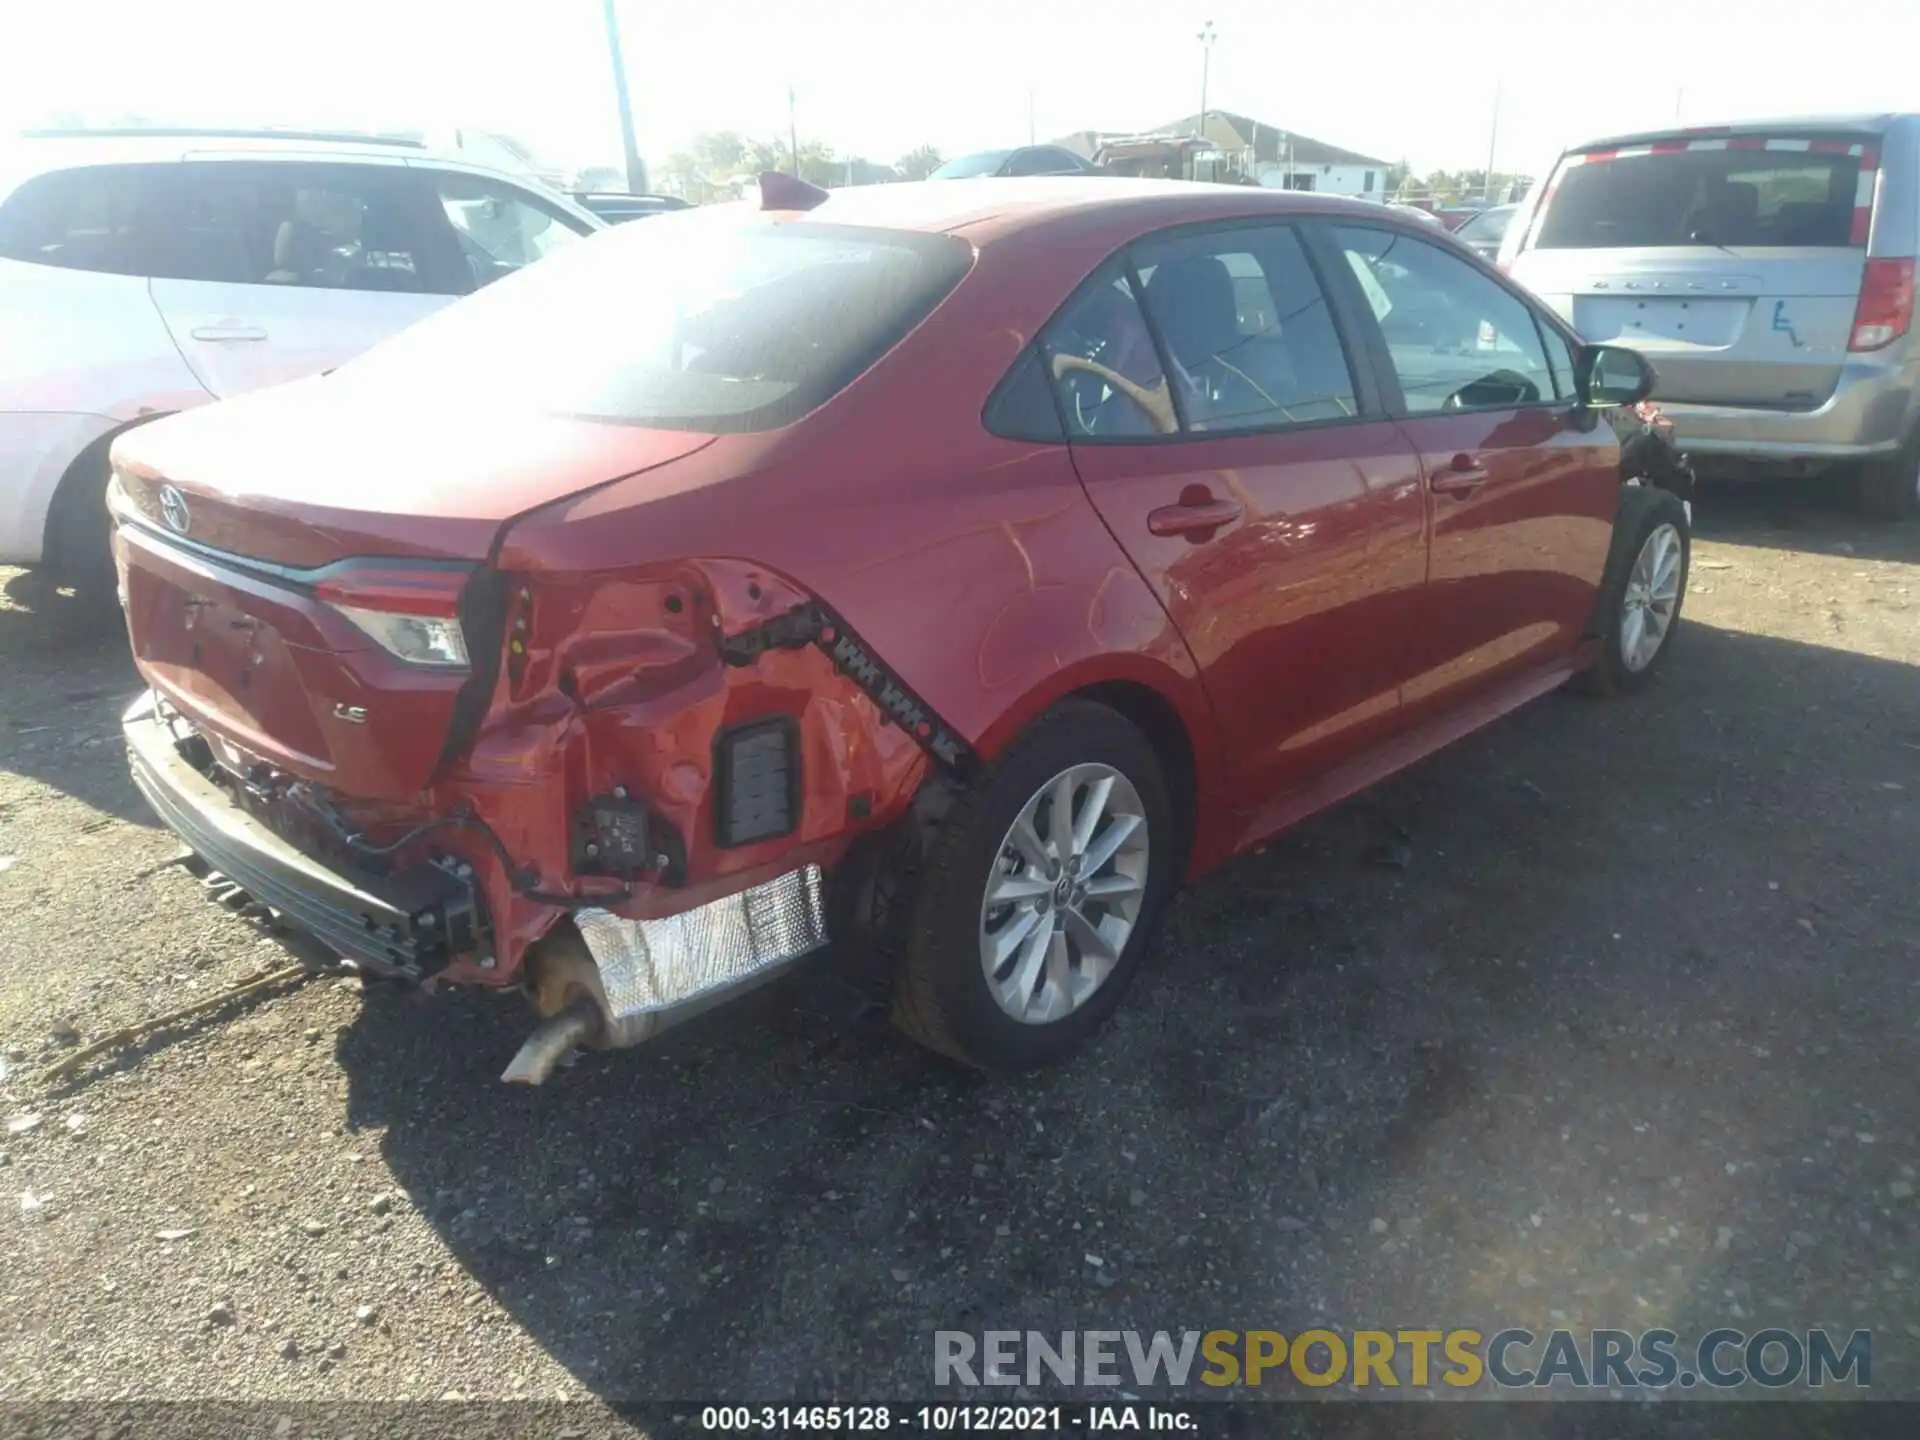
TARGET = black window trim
x,y
1375,339
1362,366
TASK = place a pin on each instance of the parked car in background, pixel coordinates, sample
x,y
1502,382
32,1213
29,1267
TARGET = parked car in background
x,y
617,209
145,272
957,567
1767,269
1416,212
1022,160
1482,234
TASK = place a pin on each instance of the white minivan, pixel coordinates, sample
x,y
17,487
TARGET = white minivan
x,y
145,272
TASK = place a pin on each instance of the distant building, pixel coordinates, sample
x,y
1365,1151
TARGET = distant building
x,y
1277,158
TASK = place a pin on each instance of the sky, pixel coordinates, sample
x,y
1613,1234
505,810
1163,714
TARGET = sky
x,y
1396,79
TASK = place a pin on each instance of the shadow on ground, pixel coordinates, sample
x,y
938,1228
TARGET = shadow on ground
x,y
67,678
1594,1055
1800,515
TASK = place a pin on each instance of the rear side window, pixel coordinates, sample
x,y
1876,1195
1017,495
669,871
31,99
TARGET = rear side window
x,y
1104,366
1735,193
694,321
91,219
1247,327
334,227
324,227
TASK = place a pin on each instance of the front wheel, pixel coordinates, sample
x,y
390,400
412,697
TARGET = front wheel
x,y
1040,894
1642,593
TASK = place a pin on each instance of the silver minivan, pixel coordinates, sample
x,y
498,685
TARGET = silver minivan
x,y
1767,270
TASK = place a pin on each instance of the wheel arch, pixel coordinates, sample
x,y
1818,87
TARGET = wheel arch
x,y
58,531
1169,708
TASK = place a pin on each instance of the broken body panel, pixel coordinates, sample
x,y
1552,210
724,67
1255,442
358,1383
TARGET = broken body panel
x,y
632,598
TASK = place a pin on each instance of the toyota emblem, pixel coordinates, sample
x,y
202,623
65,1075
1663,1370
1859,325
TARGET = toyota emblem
x,y
173,510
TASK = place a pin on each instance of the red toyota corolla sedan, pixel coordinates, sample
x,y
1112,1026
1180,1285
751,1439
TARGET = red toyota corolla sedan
x,y
949,570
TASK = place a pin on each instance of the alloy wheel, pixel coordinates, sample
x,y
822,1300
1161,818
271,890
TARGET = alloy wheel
x,y
1652,598
1064,894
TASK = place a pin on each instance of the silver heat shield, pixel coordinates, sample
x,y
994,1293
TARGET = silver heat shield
x,y
647,966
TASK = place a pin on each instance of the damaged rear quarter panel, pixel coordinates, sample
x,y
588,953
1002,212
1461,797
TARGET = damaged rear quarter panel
x,y
973,566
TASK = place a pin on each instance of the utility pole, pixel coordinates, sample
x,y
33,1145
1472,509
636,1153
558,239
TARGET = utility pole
x,y
1030,126
1678,96
1206,38
1493,140
793,134
636,167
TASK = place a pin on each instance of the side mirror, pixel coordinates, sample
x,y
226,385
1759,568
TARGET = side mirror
x,y
1610,375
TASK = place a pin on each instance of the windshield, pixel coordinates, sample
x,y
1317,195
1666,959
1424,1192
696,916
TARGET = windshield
x,y
1755,195
693,321
965,167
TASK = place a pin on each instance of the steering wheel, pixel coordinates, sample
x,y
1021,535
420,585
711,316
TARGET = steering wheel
x,y
1495,390
1155,403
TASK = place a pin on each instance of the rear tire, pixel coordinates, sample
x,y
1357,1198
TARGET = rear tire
x,y
1641,593
79,547
1889,489
1071,900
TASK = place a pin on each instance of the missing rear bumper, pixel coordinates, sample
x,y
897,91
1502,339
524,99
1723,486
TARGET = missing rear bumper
x,y
410,923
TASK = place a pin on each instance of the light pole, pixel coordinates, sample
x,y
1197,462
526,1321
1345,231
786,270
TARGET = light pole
x,y
793,134
636,167
1493,140
1206,38
1030,127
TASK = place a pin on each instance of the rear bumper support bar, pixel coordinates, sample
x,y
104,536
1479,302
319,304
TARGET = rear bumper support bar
x,y
410,924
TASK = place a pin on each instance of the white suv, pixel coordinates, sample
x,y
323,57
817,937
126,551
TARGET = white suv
x,y
145,272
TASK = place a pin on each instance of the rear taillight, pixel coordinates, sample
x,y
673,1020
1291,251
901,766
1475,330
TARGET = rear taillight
x,y
1886,304
412,611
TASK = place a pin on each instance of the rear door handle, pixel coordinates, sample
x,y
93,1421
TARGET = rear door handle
x,y
228,332
1463,475
1194,519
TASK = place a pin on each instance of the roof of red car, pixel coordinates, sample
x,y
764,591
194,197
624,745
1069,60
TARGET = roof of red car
x,y
988,206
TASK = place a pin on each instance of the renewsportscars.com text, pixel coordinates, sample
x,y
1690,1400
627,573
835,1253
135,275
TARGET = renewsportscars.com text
x,y
1721,1359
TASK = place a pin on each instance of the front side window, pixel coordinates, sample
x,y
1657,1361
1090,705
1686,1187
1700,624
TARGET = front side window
x,y
1247,329
697,321
499,227
1458,340
1560,356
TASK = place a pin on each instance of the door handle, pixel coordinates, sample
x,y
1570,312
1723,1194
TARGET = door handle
x,y
1464,475
1193,518
228,332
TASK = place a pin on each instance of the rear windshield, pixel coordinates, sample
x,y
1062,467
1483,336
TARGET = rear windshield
x,y
700,320
1736,197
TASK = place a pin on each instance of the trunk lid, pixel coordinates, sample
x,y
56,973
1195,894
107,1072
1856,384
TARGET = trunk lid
x,y
309,473
1733,262
239,521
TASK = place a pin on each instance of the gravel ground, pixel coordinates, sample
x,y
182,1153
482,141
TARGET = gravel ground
x,y
1629,1039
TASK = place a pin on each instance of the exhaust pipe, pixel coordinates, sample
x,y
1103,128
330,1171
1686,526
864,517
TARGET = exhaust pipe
x,y
555,1036
607,982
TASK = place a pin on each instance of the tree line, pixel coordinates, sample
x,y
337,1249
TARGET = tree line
x,y
713,160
